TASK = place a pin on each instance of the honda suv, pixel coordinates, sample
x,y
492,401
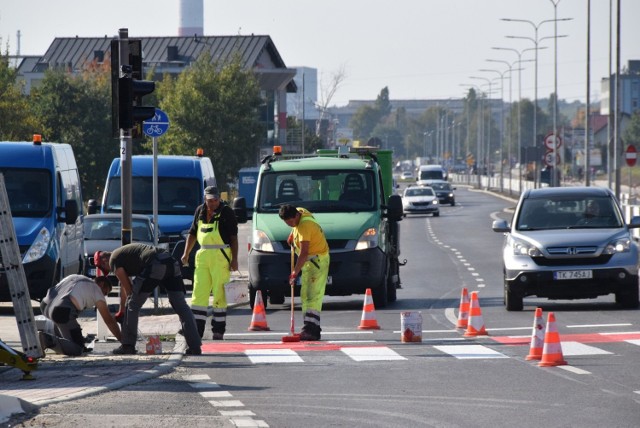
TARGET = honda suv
x,y
569,243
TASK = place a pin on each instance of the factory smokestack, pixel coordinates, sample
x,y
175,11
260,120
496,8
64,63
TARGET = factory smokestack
x,y
191,18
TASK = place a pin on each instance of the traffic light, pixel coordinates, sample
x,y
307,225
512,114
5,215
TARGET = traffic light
x,y
127,91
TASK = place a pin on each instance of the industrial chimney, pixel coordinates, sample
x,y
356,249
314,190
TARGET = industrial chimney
x,y
191,18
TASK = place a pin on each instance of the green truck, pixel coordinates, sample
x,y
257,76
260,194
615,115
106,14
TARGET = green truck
x,y
350,193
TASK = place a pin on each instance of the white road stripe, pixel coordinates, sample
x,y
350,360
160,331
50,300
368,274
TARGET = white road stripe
x,y
373,353
196,377
248,422
204,385
215,394
226,403
619,332
577,348
599,325
237,413
633,341
464,352
266,356
574,370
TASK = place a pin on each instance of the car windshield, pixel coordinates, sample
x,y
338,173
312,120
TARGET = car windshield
x,y
569,212
29,191
175,195
110,229
441,186
419,191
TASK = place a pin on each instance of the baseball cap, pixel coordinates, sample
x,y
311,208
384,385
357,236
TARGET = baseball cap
x,y
211,192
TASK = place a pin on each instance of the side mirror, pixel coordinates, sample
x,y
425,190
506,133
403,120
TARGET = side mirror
x,y
70,212
500,226
240,209
394,208
92,206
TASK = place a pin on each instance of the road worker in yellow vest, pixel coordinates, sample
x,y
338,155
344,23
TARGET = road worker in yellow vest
x,y
215,228
312,249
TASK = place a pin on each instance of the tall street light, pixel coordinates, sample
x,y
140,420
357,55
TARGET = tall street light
x,y
519,53
536,41
478,131
501,74
488,152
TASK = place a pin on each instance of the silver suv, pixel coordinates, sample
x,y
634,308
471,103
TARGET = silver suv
x,y
569,243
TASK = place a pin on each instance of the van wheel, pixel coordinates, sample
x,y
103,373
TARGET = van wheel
x,y
392,271
380,298
252,297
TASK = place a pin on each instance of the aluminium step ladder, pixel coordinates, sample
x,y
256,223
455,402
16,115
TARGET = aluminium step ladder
x,y
11,267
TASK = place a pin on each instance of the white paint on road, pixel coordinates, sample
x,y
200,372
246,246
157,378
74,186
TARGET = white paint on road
x,y
577,348
268,356
373,353
464,352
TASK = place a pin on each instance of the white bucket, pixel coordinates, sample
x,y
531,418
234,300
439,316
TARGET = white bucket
x,y
236,292
411,326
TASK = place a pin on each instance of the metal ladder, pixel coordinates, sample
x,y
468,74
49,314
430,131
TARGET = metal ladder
x,y
11,266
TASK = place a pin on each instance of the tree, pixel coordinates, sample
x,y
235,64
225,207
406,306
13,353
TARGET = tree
x,y
215,107
368,117
631,134
326,95
18,123
76,109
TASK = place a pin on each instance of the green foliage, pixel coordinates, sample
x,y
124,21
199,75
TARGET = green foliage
x,y
631,134
76,109
17,123
214,107
368,117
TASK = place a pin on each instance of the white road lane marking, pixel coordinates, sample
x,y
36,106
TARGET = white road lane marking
x,y
372,353
267,356
577,348
464,352
574,370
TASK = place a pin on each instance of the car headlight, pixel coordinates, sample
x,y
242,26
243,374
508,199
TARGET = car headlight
x,y
618,246
435,202
39,247
261,241
524,248
369,239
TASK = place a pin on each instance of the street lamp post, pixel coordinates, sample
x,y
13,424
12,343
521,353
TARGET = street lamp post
x,y
488,152
536,41
501,74
478,132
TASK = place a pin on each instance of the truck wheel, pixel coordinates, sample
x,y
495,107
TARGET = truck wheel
x,y
391,285
380,294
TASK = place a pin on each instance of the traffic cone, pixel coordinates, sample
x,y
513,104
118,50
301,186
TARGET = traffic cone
x,y
368,321
552,351
259,318
476,324
463,312
537,337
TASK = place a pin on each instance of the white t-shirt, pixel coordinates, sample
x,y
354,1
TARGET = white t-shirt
x,y
84,291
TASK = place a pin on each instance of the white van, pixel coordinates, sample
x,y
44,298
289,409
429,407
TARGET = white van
x,y
428,173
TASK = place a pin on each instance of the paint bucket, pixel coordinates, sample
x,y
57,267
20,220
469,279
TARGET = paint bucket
x,y
236,292
411,326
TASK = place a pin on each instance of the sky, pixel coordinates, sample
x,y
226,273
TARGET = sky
x,y
418,49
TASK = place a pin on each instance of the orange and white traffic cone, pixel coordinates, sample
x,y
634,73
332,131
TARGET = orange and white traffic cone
x,y
368,320
259,318
537,337
463,312
476,324
552,351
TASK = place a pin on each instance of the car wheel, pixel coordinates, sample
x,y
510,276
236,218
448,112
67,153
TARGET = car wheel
x,y
512,299
436,214
453,203
629,299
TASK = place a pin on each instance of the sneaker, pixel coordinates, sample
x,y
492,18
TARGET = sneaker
x,y
86,350
218,336
193,351
125,350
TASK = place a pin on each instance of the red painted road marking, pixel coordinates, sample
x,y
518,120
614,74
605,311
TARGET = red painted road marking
x,y
240,347
583,338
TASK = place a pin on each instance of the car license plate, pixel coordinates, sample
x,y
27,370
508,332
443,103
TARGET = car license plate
x,y
573,274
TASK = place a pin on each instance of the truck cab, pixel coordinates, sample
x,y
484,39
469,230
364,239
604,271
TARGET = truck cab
x,y
351,196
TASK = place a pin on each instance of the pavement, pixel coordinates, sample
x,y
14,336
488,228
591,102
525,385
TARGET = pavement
x,y
60,378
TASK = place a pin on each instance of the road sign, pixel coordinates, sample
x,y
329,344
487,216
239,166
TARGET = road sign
x,y
157,125
630,155
548,158
551,141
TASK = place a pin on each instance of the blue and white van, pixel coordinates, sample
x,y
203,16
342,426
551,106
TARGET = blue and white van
x,y
45,197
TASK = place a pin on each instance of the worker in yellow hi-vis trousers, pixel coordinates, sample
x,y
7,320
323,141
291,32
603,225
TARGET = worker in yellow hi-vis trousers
x,y
216,229
312,249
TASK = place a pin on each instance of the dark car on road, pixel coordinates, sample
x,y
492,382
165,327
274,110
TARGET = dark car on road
x,y
444,191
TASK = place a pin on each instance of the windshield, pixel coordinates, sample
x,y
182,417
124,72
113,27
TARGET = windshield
x,y
574,212
175,195
419,191
441,186
29,191
318,191
110,229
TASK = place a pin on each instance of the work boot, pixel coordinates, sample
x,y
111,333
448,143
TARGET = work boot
x,y
125,350
217,336
193,351
310,332
44,342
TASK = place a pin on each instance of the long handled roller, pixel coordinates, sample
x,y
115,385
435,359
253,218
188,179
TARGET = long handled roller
x,y
292,336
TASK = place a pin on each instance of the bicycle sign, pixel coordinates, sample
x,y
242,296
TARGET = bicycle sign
x,y
157,125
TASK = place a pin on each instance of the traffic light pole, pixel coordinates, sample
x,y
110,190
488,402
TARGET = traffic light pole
x,y
126,145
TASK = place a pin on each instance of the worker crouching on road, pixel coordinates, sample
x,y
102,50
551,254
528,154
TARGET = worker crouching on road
x,y
215,227
150,267
312,249
64,302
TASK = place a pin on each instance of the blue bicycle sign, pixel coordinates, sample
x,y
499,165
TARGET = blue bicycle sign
x,y
157,125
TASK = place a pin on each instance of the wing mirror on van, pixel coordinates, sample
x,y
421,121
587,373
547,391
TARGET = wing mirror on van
x,y
68,214
92,206
240,209
394,208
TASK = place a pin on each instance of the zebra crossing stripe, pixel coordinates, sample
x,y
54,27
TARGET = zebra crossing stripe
x,y
464,352
266,356
577,348
372,353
